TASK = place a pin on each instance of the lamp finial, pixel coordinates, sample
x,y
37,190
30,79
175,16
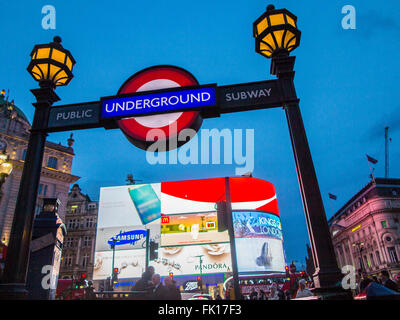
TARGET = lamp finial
x,y
270,7
57,39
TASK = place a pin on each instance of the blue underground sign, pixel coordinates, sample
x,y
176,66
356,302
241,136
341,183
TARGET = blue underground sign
x,y
129,237
159,102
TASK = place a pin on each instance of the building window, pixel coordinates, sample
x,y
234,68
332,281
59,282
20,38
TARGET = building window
x,y
378,257
73,224
87,241
89,222
384,224
75,209
68,242
85,260
371,257
367,263
23,155
68,261
52,163
42,189
393,254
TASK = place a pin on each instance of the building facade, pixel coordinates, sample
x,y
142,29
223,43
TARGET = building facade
x,y
366,230
56,176
79,243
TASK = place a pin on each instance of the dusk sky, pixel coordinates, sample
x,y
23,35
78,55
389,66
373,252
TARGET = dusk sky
x,y
347,82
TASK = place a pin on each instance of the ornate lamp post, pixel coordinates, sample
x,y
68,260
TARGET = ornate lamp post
x,y
5,169
276,35
360,247
51,65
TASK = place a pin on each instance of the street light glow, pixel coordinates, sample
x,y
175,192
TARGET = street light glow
x,y
51,64
276,32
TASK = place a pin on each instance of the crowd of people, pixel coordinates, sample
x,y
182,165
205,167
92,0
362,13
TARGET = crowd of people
x,y
150,287
364,280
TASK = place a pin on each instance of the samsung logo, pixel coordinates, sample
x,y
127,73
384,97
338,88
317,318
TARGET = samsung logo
x,y
129,237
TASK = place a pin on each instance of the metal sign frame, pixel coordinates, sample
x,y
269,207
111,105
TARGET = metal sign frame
x,y
251,101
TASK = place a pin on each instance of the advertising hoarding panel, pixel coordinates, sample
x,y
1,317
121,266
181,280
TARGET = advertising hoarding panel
x,y
195,228
258,241
125,210
184,260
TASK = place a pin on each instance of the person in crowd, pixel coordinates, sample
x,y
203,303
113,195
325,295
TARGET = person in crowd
x,y
397,279
144,283
173,293
159,292
253,294
218,296
274,293
387,282
262,295
375,279
281,294
303,290
364,280
293,286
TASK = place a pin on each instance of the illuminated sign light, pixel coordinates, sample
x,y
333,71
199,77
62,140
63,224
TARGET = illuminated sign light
x,y
257,224
159,102
164,219
356,228
127,237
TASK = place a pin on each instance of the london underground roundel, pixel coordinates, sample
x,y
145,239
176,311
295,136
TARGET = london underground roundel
x,y
155,78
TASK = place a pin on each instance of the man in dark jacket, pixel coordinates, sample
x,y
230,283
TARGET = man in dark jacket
x,y
159,291
173,292
387,282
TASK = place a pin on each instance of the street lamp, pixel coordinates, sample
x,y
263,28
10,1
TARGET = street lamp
x,y
276,35
5,167
51,65
276,32
360,247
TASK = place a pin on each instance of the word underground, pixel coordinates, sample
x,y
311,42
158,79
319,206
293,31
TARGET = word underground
x,y
156,102
190,152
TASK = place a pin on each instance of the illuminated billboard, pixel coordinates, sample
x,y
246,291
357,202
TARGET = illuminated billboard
x,y
258,241
194,228
185,260
181,217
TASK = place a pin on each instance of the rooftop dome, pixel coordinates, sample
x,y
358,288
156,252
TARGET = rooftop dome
x,y
4,104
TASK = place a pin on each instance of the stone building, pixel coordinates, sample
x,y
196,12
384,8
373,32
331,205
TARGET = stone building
x,y
56,176
366,230
79,243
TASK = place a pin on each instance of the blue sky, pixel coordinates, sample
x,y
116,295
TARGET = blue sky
x,y
347,82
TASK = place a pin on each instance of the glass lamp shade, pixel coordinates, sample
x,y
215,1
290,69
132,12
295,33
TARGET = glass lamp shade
x,y
51,64
3,158
6,168
276,32
49,207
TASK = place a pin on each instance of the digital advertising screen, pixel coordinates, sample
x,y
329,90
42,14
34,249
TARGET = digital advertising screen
x,y
182,219
125,215
188,229
185,260
258,241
